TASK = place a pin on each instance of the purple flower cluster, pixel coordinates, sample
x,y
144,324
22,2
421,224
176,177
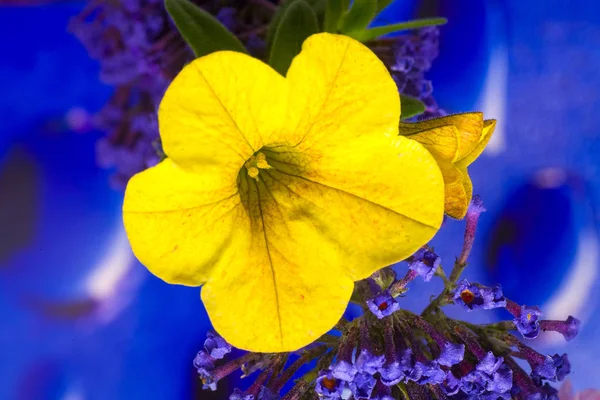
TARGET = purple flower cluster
x,y
413,56
139,52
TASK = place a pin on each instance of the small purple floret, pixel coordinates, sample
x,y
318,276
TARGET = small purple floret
x,y
452,353
425,262
328,386
383,305
216,346
528,322
362,385
469,296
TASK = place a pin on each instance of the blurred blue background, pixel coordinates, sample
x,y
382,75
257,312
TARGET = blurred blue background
x,y
83,320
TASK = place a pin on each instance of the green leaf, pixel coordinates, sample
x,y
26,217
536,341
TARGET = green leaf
x,y
374,33
333,13
359,16
203,32
410,107
298,22
272,29
381,4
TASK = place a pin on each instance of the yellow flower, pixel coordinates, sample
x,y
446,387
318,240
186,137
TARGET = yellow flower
x,y
455,141
278,193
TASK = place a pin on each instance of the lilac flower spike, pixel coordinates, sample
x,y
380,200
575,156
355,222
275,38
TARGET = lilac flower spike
x,y
216,346
383,305
425,262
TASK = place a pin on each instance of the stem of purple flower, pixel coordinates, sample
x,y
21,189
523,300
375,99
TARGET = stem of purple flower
x,y
398,287
347,345
427,328
254,389
288,373
298,390
388,338
532,356
520,377
228,368
475,210
470,341
513,308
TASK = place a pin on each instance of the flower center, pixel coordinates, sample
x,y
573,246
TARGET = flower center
x,y
383,306
255,164
467,296
329,383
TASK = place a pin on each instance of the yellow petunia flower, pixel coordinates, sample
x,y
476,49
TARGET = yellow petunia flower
x,y
279,193
455,141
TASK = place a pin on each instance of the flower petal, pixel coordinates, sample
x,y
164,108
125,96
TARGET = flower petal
x,y
339,90
284,287
375,199
443,142
468,128
488,129
220,109
178,222
457,198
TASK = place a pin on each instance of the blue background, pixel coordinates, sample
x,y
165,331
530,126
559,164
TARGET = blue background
x,y
81,319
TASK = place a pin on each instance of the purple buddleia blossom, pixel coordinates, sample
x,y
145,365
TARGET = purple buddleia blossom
x,y
489,364
362,385
204,360
452,353
343,370
328,386
240,395
569,328
468,295
431,373
413,56
403,368
425,262
493,297
471,296
553,368
368,363
266,394
216,346
451,384
528,322
381,392
383,305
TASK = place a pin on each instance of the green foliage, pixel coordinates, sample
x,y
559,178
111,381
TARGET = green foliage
x,y
297,23
202,32
333,13
373,33
358,17
410,107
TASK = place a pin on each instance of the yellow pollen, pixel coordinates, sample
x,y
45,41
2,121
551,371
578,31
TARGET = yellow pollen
x,y
529,317
253,172
262,164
